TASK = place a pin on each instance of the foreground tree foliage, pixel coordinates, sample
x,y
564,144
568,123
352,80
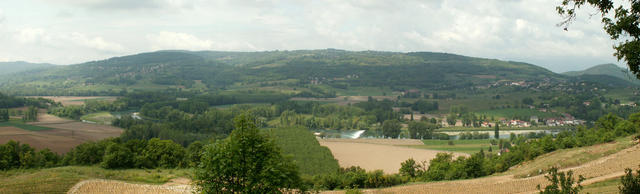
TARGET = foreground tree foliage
x,y
245,162
623,27
561,183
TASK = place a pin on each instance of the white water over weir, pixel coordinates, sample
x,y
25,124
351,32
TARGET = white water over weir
x,y
352,134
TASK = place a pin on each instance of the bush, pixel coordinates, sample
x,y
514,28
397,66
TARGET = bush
x,y
163,153
409,168
356,177
561,183
630,184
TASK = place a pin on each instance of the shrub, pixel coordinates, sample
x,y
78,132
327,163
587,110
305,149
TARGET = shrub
x,y
561,182
630,183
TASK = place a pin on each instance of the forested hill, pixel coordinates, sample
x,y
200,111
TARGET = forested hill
x,y
324,69
20,66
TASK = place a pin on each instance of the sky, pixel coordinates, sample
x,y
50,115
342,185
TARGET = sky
x,y
76,31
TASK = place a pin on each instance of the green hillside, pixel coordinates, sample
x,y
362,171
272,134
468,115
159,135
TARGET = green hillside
x,y
20,66
310,157
606,70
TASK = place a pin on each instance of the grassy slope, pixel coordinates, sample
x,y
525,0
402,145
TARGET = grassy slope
x,y
60,180
300,144
569,157
463,146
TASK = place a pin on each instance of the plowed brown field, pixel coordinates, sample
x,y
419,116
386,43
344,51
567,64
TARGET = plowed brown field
x,y
65,134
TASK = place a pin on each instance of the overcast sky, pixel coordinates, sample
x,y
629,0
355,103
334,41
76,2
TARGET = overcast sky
x,y
75,31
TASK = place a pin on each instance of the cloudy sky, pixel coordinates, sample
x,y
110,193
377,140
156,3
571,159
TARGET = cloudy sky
x,y
75,31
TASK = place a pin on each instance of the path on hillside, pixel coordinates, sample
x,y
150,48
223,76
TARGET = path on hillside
x,y
595,171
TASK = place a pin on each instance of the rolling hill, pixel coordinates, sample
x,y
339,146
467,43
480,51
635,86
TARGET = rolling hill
x,y
315,70
20,66
606,70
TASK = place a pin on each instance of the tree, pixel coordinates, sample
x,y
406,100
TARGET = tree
x,y
409,168
623,27
4,115
419,130
245,162
194,152
163,153
561,183
630,183
31,114
391,128
117,156
496,133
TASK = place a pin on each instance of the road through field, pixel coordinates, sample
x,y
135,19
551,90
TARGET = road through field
x,y
595,171
374,154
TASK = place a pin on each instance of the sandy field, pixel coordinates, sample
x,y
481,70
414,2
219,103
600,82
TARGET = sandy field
x,y
374,154
65,134
119,187
74,100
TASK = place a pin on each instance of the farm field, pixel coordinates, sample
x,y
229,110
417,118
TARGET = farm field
x,y
344,100
75,100
373,156
103,118
462,146
596,170
21,125
57,134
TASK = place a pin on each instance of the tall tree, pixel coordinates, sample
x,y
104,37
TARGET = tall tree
x,y
391,128
245,162
496,133
4,115
623,27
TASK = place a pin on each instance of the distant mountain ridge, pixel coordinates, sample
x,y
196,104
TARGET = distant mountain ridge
x,y
607,70
315,70
20,66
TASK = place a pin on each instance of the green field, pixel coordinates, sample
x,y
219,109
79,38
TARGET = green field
x,y
103,118
300,144
61,179
463,146
19,124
